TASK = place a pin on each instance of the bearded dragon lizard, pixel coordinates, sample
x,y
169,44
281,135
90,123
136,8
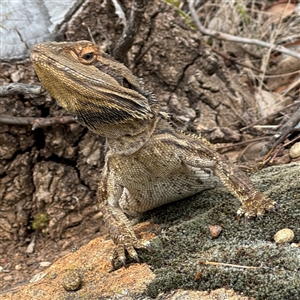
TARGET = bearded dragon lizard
x,y
149,163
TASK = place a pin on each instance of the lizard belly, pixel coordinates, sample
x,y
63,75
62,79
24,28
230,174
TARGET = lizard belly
x,y
142,193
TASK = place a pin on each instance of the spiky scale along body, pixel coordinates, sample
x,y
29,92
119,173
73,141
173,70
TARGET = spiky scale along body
x,y
148,163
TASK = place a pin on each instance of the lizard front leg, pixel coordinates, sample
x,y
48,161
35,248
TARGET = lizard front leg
x,y
116,222
122,234
254,203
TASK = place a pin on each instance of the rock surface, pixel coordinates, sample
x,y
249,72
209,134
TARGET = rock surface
x,y
257,267
26,23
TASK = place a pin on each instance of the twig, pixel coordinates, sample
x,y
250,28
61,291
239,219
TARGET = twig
x,y
286,144
147,48
270,127
237,39
270,116
228,265
130,30
242,143
282,133
89,31
33,90
265,62
235,60
119,11
251,53
36,122
281,74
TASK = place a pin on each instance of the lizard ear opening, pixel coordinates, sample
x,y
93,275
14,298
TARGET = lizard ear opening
x,y
127,84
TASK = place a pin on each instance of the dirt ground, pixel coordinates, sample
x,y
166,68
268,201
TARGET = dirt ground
x,y
19,266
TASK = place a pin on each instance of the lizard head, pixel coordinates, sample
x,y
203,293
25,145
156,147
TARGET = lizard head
x,y
99,91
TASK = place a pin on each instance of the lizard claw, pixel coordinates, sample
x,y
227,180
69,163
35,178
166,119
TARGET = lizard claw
x,y
143,244
119,252
259,217
132,253
240,215
117,255
256,207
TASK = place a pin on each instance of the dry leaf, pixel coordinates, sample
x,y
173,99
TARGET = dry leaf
x,y
285,67
268,102
280,10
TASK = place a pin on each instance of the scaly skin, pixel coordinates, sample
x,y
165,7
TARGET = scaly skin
x,y
148,163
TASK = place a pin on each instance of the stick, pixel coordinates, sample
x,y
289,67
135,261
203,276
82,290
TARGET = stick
x,y
282,133
130,30
36,122
33,90
237,39
228,265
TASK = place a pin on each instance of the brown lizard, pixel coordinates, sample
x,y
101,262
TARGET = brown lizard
x,y
149,163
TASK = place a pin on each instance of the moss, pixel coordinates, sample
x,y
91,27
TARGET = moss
x,y
185,243
40,221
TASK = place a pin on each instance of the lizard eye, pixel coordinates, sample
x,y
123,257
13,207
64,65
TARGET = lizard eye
x,y
88,56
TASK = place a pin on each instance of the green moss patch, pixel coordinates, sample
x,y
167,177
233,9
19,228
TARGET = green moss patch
x,y
185,245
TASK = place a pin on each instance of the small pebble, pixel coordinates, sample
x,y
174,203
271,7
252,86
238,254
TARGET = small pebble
x,y
295,150
285,235
45,264
215,230
72,280
8,278
37,277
